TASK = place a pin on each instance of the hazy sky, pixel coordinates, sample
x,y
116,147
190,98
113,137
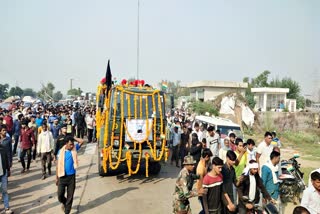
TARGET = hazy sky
x,y
187,40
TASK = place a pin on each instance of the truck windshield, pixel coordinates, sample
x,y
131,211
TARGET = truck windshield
x,y
226,129
137,106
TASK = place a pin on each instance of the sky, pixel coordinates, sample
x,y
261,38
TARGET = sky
x,y
225,40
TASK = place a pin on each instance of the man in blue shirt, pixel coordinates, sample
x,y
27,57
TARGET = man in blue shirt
x,y
66,172
270,176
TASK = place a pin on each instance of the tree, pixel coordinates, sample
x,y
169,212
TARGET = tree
x,y
75,92
287,82
4,91
300,102
46,92
57,96
261,80
29,92
203,107
16,91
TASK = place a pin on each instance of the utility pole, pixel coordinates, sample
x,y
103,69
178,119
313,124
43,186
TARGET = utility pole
x,y
138,32
71,83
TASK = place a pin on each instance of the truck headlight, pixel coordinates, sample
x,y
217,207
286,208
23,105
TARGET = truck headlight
x,y
116,143
159,143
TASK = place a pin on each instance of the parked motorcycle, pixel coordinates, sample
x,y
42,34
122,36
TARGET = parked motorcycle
x,y
268,208
292,184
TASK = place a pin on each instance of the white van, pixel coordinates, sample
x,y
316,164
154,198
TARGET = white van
x,y
225,126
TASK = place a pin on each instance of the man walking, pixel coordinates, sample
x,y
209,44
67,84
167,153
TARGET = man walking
x,y
27,142
182,191
4,168
270,177
5,140
311,195
66,172
45,148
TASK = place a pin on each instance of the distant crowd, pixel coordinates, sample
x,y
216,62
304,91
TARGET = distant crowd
x,y
41,131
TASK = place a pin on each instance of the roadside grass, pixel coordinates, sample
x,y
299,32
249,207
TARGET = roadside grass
x,y
307,143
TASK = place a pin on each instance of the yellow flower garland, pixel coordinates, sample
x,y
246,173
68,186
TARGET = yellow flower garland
x,y
104,118
147,164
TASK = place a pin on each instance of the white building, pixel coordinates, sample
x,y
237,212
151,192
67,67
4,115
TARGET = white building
x,y
209,90
273,99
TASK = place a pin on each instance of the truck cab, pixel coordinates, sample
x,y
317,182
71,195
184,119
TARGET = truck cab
x,y
131,130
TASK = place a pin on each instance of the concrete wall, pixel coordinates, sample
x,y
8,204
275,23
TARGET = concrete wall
x,y
281,121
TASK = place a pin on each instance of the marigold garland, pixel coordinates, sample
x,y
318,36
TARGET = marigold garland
x,y
147,164
103,119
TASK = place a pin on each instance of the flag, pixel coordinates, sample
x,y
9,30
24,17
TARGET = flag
x,y
164,86
108,78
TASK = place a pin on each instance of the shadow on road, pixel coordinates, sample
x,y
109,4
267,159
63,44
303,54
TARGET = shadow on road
x,y
104,199
167,172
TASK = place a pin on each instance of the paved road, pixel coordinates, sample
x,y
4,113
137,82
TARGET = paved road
x,y
94,194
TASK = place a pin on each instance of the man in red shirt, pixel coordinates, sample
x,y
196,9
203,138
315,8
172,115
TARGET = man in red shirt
x,y
27,142
8,120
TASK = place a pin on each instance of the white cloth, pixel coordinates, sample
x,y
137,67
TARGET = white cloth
x,y
310,200
273,169
1,168
89,122
213,144
309,180
264,150
45,142
252,188
251,155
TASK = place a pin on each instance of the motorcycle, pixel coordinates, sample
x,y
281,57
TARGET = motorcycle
x,y
268,208
292,184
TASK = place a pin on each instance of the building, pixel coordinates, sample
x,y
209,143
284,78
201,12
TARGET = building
x,y
273,99
209,90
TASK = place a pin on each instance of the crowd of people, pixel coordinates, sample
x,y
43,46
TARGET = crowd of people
x,y
233,175
45,132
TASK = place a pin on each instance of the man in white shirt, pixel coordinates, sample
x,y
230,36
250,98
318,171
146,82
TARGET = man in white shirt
x,y
311,195
175,139
264,150
198,131
213,142
45,148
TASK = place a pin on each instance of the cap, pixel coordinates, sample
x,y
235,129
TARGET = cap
x,y
188,160
64,126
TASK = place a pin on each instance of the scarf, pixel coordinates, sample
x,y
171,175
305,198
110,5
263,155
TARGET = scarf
x,y
273,169
61,171
252,188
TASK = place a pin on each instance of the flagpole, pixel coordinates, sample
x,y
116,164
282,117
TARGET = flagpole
x,y
138,39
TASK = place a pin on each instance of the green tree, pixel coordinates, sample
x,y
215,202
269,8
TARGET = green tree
x,y
261,80
287,82
16,91
75,92
46,91
29,92
57,96
203,107
308,103
300,102
4,91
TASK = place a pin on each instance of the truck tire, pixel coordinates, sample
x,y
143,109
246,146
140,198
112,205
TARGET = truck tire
x,y
154,168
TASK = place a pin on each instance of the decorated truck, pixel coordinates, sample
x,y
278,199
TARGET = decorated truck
x,y
131,127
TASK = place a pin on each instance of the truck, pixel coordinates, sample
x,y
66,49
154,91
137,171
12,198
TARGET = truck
x,y
131,128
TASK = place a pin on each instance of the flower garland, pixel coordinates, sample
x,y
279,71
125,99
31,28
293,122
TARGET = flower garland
x,y
113,128
129,162
103,118
147,164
